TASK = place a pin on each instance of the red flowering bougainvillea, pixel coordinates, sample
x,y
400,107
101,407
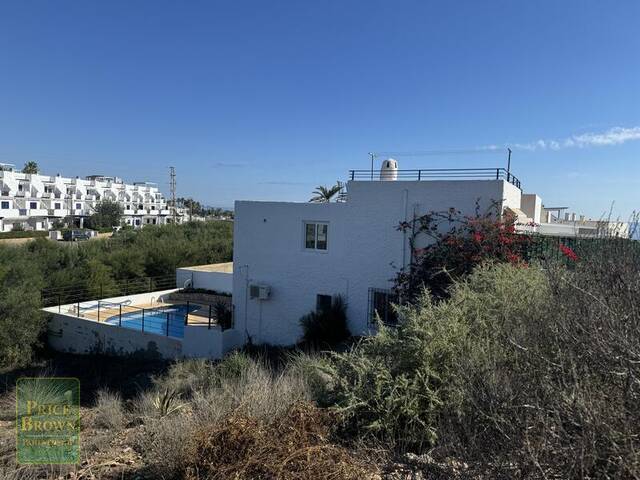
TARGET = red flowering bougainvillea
x,y
447,245
569,253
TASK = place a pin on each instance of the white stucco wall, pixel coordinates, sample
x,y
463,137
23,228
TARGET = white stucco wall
x,y
202,342
219,281
268,248
365,250
532,206
71,334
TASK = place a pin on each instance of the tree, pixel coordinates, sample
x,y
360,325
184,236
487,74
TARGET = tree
x,y
21,320
193,206
30,167
106,214
323,194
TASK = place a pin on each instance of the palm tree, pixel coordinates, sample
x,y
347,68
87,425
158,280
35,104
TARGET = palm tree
x,y
324,195
30,167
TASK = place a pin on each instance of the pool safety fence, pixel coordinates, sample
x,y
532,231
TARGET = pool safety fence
x,y
86,290
163,319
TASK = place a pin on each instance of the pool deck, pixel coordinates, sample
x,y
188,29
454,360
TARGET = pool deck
x,y
197,317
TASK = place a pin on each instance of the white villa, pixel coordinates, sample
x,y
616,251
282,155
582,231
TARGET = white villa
x,y
292,257
35,201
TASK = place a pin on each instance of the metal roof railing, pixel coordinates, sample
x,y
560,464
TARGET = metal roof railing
x,y
436,174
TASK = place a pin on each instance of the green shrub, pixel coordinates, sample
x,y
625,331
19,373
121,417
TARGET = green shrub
x,y
522,368
326,327
21,321
401,384
223,314
23,234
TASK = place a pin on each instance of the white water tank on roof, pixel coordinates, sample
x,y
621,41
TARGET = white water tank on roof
x,y
389,170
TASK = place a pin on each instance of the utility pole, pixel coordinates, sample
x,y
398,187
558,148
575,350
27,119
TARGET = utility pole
x,y
509,165
373,156
172,183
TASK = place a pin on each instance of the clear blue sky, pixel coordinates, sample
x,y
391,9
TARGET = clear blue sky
x,y
265,100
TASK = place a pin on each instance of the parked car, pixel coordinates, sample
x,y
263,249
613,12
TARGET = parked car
x,y
76,235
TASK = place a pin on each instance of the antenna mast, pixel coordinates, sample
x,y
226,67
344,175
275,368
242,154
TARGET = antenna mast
x,y
172,183
373,156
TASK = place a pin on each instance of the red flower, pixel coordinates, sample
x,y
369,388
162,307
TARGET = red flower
x,y
513,258
478,237
569,253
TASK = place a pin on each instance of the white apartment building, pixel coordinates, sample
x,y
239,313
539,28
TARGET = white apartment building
x,y
35,201
290,258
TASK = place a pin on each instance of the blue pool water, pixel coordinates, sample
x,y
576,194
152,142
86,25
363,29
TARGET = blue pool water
x,y
162,320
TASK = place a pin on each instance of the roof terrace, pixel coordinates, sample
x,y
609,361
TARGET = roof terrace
x,y
435,174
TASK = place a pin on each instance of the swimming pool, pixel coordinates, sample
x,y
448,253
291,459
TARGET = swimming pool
x,y
168,321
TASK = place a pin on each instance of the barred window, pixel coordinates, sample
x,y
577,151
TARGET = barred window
x,y
380,305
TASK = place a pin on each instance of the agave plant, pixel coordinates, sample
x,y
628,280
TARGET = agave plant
x,y
167,402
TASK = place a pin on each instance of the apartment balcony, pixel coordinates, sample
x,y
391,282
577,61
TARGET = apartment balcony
x,y
165,212
37,212
58,212
128,211
152,212
141,211
10,213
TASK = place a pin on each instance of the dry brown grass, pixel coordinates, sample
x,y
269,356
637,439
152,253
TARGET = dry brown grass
x,y
108,411
295,445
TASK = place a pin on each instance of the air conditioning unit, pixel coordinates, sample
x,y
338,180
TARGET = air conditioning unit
x,y
260,292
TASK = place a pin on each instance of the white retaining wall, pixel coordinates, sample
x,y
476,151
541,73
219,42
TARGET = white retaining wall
x,y
71,334
202,342
219,281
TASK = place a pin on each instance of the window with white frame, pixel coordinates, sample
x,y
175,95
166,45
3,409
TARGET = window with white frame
x,y
33,205
5,205
316,235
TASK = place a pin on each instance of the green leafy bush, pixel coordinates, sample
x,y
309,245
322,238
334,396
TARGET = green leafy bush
x,y
42,268
23,234
328,326
21,321
223,314
533,371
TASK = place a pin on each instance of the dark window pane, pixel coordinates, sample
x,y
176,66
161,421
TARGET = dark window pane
x,y
323,303
382,306
310,235
322,237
